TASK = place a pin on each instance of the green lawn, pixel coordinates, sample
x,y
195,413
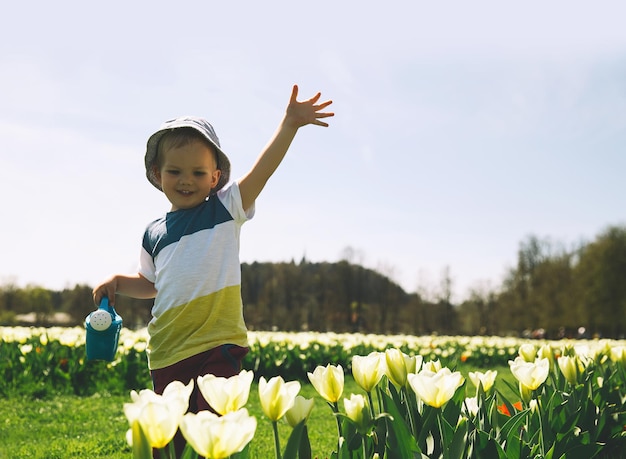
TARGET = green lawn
x,y
95,427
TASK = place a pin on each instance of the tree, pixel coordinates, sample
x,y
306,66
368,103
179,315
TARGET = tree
x,y
78,302
601,275
40,301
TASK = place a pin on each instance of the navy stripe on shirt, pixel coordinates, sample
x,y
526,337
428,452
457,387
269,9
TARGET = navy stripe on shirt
x,y
171,228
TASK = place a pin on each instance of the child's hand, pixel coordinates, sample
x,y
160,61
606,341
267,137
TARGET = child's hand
x,y
108,289
306,112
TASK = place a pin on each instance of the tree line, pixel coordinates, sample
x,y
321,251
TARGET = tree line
x,y
551,292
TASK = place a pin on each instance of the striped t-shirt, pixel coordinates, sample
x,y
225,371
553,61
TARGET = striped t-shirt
x,y
192,256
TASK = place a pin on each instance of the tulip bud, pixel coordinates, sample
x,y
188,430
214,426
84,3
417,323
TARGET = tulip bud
x,y
471,406
218,436
158,416
432,365
328,382
569,367
399,365
435,389
618,354
226,394
487,379
277,396
358,411
368,370
546,352
528,352
530,374
300,411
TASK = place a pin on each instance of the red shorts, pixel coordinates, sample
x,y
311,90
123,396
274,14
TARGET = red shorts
x,y
224,361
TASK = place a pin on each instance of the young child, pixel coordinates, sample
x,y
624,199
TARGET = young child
x,y
190,257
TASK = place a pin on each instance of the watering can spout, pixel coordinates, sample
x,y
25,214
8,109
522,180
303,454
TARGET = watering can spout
x,y
103,328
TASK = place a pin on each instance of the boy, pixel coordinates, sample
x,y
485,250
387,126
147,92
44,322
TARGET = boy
x,y
190,258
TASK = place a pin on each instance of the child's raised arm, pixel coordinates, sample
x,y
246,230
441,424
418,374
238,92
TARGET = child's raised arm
x,y
298,114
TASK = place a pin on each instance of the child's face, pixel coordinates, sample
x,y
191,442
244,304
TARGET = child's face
x,y
187,174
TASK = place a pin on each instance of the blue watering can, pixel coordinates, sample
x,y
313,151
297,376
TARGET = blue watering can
x,y
103,332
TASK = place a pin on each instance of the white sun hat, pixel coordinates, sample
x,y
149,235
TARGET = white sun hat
x,y
203,127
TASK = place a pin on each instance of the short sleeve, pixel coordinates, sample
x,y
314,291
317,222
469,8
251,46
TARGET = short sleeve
x,y
230,196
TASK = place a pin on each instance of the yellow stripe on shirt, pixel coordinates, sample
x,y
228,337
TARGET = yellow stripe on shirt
x,y
202,324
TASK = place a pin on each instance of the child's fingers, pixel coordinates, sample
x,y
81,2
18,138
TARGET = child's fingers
x,y
294,94
315,98
323,105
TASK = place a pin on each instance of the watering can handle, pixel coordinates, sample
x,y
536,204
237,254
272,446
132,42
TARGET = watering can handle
x,y
104,303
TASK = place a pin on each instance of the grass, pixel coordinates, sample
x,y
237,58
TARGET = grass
x,y
63,427
95,427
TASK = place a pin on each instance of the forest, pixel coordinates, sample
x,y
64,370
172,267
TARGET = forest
x,y
551,292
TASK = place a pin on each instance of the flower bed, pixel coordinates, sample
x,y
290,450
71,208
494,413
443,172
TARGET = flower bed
x,y
570,395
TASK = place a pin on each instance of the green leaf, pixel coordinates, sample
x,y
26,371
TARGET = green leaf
x,y
243,454
582,452
511,427
141,445
445,429
293,443
511,433
380,435
486,447
189,453
399,443
304,452
458,444
344,451
428,424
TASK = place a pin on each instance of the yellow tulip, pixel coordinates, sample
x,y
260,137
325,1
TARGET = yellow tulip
x,y
528,352
618,354
277,396
432,365
358,411
300,411
530,374
436,389
368,370
470,407
218,437
178,390
328,382
570,367
546,352
226,394
487,379
159,415
399,365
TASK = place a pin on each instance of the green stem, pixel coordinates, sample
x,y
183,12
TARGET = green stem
x,y
276,439
442,438
409,409
541,442
380,398
363,446
336,410
371,400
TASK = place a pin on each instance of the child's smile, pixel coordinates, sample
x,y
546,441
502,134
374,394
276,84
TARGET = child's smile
x,y
187,174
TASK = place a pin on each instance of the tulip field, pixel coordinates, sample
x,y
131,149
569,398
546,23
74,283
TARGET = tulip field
x,y
409,397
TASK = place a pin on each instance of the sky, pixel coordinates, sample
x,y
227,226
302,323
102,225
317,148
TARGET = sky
x,y
460,129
